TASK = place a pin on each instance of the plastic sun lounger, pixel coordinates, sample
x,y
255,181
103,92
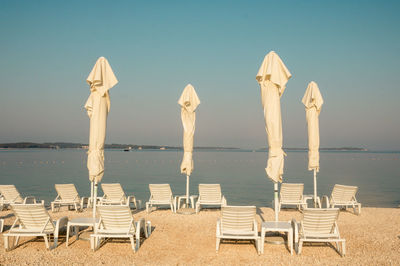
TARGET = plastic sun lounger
x,y
11,195
238,222
115,195
161,194
116,221
67,196
318,225
343,196
292,194
210,194
33,220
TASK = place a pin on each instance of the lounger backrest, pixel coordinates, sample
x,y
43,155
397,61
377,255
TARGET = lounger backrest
x,y
236,219
291,192
342,193
210,192
10,193
33,217
113,191
319,221
116,217
67,192
160,191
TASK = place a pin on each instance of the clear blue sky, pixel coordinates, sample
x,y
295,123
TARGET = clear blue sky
x,y
350,48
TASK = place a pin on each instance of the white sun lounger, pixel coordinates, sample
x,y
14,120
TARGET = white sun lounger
x,y
161,194
318,225
343,196
210,194
238,222
11,195
67,196
115,195
116,221
33,220
292,194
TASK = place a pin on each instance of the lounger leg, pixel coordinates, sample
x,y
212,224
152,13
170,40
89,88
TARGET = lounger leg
x,y
217,244
6,243
300,246
92,242
46,241
16,241
52,207
147,207
55,240
133,243
343,248
257,243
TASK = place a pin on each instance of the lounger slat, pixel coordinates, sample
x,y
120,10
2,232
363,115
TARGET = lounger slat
x,y
10,194
67,192
113,192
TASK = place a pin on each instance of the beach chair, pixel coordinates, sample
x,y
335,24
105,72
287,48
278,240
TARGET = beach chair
x,y
115,195
116,221
318,225
161,194
292,194
11,195
210,194
33,220
67,196
343,196
238,222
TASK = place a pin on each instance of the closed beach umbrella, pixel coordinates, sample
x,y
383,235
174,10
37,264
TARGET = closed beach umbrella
x,y
272,77
188,102
100,80
313,101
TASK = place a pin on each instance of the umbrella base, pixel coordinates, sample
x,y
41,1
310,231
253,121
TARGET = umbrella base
x,y
275,238
186,211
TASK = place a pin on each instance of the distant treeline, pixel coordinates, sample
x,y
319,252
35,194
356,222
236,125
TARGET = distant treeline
x,y
68,145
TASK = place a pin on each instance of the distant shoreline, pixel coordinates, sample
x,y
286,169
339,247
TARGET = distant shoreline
x,y
129,147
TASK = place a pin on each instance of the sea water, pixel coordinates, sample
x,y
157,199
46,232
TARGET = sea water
x,y
240,173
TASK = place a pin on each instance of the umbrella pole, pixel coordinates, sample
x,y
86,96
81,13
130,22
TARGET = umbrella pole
x,y
276,200
315,188
94,199
91,194
187,191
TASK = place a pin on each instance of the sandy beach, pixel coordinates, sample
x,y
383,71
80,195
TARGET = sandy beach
x,y
373,238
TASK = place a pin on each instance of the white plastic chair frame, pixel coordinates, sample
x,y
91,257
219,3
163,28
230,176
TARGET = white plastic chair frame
x,y
67,196
33,220
238,222
116,221
292,194
318,225
210,194
10,194
115,195
161,194
343,196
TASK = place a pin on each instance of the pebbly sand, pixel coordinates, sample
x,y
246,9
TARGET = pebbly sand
x,y
373,238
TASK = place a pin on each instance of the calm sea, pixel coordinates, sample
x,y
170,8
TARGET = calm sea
x,y
240,173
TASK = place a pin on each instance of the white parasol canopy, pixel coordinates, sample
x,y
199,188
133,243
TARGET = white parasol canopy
x,y
272,77
188,102
313,101
100,80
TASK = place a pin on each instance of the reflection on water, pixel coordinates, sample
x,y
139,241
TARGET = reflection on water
x,y
241,174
